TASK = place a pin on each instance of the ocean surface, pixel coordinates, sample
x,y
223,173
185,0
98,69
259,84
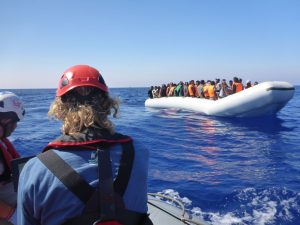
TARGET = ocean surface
x,y
227,171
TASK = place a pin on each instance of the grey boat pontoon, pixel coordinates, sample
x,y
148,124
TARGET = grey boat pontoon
x,y
163,213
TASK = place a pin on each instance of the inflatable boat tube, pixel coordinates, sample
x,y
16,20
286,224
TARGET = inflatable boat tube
x,y
164,210
266,98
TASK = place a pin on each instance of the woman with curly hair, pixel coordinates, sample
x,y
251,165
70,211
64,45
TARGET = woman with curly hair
x,y
91,171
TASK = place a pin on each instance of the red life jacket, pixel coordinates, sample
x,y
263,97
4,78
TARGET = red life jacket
x,y
6,211
90,215
8,153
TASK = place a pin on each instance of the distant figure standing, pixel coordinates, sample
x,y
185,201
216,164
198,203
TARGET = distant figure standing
x,y
205,89
248,84
150,95
171,89
218,86
196,93
163,91
155,92
191,89
231,85
211,89
200,89
237,85
185,89
224,89
178,91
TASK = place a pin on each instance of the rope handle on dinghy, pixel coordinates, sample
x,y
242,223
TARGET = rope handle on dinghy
x,y
180,204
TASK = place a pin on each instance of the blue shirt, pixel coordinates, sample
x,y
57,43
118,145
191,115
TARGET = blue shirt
x,y
43,199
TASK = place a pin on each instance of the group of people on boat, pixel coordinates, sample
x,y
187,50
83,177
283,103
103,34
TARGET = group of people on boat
x,y
89,175
211,89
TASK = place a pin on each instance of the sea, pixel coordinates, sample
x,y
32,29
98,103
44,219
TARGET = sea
x,y
225,170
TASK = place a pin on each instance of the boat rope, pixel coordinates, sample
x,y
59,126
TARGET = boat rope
x,y
183,219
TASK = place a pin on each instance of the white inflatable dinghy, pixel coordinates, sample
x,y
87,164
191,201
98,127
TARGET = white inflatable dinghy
x,y
266,98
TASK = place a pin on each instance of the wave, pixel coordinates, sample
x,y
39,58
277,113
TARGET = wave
x,y
247,206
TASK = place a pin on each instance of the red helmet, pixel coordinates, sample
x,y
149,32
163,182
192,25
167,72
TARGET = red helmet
x,y
78,76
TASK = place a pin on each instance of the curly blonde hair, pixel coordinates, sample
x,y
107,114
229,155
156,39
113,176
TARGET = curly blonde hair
x,y
80,112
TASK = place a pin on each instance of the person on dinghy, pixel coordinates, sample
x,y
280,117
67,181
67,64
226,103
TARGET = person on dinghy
x,y
11,112
90,174
237,85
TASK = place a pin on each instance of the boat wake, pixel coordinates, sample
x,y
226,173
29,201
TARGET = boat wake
x,y
245,207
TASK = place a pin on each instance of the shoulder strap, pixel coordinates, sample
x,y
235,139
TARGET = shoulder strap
x,y
67,175
126,164
72,180
106,197
78,186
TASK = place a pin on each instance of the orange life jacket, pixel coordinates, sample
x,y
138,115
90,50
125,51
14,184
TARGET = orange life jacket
x,y
211,91
238,87
191,90
205,90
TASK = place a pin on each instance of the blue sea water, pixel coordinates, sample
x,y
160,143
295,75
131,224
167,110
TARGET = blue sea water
x,y
227,171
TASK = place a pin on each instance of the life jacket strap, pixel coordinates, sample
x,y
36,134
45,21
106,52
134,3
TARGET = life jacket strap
x,y
67,175
106,197
126,164
79,187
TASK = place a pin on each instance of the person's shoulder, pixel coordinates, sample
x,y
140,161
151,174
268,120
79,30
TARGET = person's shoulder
x,y
141,151
139,146
33,167
36,162
31,162
136,143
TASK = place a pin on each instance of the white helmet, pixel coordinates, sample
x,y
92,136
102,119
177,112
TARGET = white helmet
x,y
10,102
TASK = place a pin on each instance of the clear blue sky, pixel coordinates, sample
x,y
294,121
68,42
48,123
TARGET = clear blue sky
x,y
143,43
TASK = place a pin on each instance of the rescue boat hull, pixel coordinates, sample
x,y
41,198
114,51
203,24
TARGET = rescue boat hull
x,y
260,100
162,212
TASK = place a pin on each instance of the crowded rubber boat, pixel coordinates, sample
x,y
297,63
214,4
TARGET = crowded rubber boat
x,y
263,99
